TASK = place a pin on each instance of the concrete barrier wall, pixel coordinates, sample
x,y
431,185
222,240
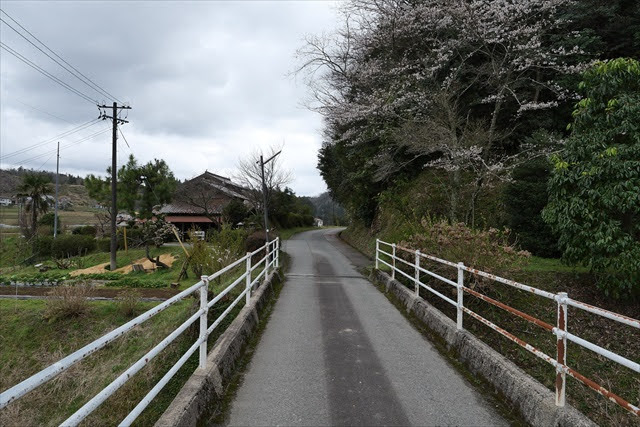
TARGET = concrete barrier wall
x,y
205,389
534,401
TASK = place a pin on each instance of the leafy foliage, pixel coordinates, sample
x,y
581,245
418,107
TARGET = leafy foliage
x,y
594,190
524,198
410,85
488,250
36,187
235,212
139,187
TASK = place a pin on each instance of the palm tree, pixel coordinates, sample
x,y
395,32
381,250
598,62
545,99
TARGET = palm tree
x,y
36,187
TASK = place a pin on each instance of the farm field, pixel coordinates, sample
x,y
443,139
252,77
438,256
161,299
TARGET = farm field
x,y
9,216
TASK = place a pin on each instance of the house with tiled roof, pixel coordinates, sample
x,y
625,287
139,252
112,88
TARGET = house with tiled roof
x,y
199,202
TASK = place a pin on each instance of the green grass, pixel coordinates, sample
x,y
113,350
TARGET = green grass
x,y
30,343
538,264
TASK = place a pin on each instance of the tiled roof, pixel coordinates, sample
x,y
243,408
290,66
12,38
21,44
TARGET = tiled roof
x,y
185,208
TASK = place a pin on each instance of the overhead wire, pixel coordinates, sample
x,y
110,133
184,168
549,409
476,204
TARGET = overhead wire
x,y
44,112
46,73
86,80
46,161
52,139
73,143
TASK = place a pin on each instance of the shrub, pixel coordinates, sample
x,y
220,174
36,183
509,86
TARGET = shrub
x,y
86,230
72,244
524,198
256,240
128,302
487,250
104,244
66,302
48,219
42,245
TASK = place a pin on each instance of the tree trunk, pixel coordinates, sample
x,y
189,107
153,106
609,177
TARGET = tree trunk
x,y
34,216
156,261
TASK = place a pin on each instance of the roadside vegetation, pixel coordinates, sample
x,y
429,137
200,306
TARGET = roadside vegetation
x,y
36,333
504,136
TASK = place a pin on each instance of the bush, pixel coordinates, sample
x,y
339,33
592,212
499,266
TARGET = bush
x,y
42,245
67,301
128,302
487,250
86,230
524,198
72,244
256,240
104,244
48,219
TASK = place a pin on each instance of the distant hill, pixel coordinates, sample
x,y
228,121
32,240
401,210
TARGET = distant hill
x,y
71,187
329,211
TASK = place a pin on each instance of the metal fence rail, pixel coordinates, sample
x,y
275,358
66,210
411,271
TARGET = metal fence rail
x,y
269,261
559,330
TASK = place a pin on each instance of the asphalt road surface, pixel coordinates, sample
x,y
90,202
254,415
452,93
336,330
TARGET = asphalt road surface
x,y
337,352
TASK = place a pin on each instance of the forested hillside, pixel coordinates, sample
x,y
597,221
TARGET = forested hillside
x,y
454,110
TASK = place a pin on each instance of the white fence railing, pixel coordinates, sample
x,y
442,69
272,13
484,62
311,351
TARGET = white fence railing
x,y
559,330
270,260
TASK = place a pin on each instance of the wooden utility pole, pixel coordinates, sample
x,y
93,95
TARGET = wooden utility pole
x,y
264,197
114,178
55,217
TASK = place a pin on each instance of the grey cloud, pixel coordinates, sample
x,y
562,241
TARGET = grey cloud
x,y
196,74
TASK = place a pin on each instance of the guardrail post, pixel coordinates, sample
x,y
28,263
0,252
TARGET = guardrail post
x,y
393,260
277,252
267,250
460,304
377,254
561,355
417,275
248,278
204,289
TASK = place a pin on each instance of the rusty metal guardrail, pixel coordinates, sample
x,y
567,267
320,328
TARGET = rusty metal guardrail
x,y
271,260
559,330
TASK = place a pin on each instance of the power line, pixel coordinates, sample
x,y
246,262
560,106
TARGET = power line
x,y
62,135
86,80
45,162
125,140
44,112
45,73
71,144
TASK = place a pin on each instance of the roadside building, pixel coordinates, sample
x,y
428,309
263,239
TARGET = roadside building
x,y
199,202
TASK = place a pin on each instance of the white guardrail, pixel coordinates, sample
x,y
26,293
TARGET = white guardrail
x,y
270,260
559,330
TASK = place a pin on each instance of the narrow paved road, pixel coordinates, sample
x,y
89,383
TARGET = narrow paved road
x,y
337,352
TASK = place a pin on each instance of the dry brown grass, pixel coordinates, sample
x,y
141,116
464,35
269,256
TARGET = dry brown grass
x,y
129,302
53,402
67,301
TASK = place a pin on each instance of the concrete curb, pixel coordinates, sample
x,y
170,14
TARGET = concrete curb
x,y
534,401
206,387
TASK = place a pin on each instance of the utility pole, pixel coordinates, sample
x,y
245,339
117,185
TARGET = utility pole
x,y
264,195
55,217
114,173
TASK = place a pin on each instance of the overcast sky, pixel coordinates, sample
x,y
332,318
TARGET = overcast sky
x,y
208,83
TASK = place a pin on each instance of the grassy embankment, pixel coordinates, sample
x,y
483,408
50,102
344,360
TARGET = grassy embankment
x,y
553,276
30,342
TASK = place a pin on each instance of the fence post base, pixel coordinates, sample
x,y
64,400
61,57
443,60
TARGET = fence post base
x,y
203,322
